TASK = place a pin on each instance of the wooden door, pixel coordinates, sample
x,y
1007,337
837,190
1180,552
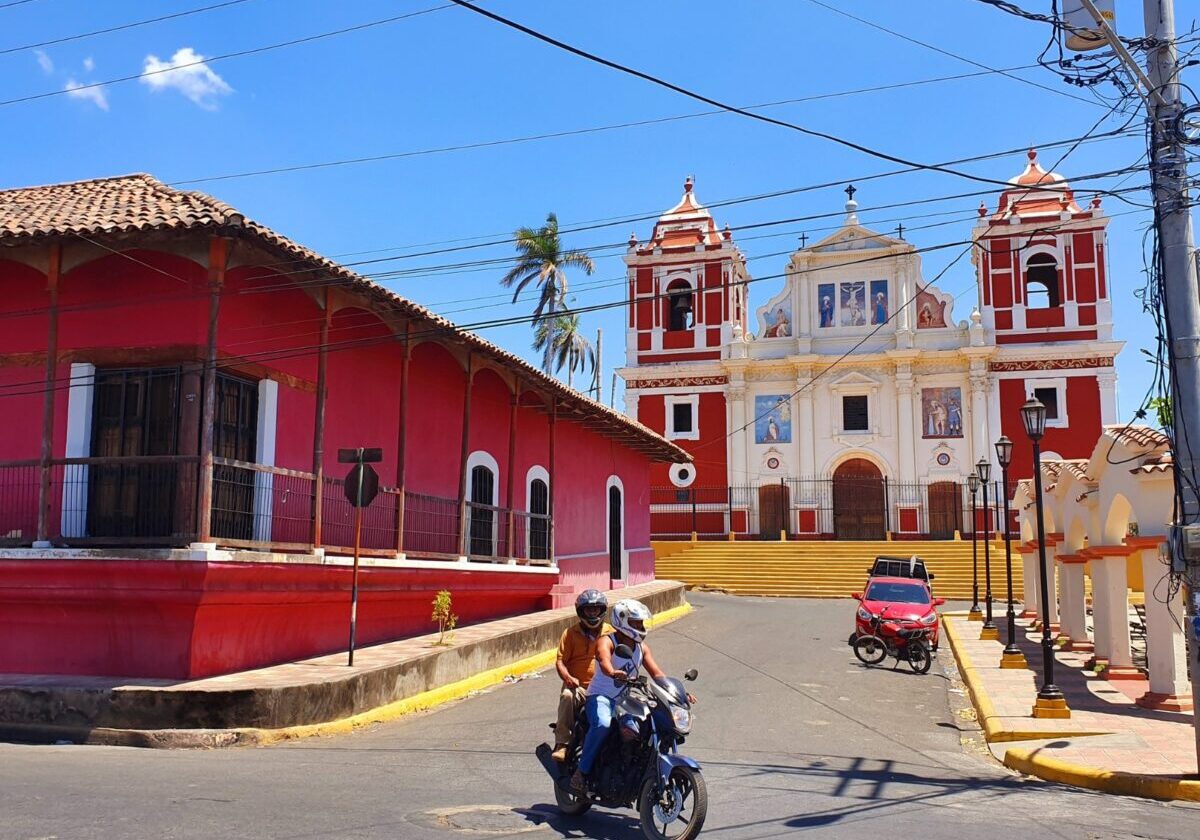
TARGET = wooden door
x,y
774,501
945,509
859,502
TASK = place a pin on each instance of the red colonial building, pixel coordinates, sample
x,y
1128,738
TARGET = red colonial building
x,y
176,381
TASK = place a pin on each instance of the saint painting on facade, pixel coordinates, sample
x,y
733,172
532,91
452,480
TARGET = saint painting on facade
x,y
931,312
853,301
880,308
772,419
825,304
780,324
941,413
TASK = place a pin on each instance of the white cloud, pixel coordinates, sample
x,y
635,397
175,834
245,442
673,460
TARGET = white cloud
x,y
187,73
44,61
89,64
95,95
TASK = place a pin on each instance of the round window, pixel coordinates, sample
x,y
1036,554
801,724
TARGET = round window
x,y
773,463
943,459
682,475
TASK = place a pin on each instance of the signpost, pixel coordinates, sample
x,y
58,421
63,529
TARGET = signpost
x,y
362,486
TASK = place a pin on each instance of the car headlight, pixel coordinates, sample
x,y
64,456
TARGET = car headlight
x,y
929,619
863,614
682,718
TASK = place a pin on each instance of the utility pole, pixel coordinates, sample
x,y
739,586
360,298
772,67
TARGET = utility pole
x,y
1181,295
599,363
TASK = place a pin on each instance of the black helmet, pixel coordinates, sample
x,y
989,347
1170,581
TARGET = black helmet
x,y
591,598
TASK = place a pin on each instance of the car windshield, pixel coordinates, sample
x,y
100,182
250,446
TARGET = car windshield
x,y
899,593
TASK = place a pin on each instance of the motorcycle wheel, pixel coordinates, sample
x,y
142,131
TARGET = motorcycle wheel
x,y
870,650
570,804
686,808
919,659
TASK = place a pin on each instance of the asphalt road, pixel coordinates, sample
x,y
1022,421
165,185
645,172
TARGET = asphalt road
x,y
793,734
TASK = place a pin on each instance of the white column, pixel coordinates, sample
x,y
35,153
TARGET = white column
x,y
1116,605
736,396
80,397
1101,614
979,414
904,420
1051,583
1108,398
1029,566
1166,648
804,431
1074,610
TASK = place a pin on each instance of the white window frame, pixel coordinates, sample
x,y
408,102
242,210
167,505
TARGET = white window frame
x,y
1059,384
535,473
481,458
615,481
80,404
264,493
685,399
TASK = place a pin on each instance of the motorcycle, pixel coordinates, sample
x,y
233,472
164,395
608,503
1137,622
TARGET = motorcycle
x,y
909,644
639,765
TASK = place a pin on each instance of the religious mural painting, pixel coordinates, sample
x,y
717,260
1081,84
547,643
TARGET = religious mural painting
x,y
852,299
881,307
941,413
779,321
931,312
772,419
825,303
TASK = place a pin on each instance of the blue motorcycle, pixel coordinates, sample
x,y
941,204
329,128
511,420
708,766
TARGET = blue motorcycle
x,y
639,765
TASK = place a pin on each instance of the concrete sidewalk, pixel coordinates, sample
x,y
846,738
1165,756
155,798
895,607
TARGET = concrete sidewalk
x,y
1108,743
321,695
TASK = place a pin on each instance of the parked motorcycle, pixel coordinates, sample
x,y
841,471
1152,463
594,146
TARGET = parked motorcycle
x,y
639,765
907,641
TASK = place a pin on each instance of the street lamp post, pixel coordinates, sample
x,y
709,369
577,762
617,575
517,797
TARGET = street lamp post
x,y
1050,701
984,470
1012,656
975,614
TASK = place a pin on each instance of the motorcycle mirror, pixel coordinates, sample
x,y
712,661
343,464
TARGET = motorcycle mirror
x,y
857,596
624,652
691,675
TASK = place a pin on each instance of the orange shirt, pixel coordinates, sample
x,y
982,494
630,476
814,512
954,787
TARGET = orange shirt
x,y
578,653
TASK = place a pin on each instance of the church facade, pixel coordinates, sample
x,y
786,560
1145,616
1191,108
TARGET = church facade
x,y
854,401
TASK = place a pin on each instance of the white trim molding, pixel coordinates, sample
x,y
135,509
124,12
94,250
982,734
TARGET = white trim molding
x,y
264,449
669,403
615,481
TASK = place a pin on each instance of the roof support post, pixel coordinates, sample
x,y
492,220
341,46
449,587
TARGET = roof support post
x,y
53,272
466,449
402,437
319,421
218,258
550,472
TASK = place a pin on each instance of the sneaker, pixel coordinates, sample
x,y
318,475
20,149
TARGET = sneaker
x,y
560,753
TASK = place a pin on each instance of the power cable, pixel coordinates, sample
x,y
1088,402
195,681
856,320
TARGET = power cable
x,y
120,27
850,144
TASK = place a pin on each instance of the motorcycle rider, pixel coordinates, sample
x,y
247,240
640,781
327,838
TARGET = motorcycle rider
x,y
576,664
629,620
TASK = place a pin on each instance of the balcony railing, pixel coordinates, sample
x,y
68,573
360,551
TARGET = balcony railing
x,y
153,501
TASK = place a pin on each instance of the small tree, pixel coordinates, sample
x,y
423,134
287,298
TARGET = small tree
x,y
446,620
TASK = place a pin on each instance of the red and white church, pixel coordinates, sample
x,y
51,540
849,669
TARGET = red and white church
x,y
851,404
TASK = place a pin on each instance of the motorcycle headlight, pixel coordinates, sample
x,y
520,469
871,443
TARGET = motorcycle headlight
x,y
863,614
682,718
929,619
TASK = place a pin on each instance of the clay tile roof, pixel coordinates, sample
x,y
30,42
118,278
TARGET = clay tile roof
x,y
1138,436
1053,468
1159,464
141,203
1036,192
685,225
1077,469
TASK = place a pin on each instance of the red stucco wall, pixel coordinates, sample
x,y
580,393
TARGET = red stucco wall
x,y
1076,441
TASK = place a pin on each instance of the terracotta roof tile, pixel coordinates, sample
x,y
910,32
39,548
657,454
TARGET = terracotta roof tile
x,y
1139,436
140,203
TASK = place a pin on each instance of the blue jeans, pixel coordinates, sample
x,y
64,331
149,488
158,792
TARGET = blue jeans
x,y
599,712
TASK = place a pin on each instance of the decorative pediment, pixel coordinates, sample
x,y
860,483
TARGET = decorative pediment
x,y
854,380
855,238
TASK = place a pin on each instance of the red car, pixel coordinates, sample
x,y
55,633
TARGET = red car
x,y
908,602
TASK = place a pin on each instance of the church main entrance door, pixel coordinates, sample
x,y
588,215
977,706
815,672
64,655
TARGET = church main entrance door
x,y
774,500
859,504
945,510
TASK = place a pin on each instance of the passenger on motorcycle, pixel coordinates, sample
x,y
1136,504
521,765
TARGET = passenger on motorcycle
x,y
629,620
576,664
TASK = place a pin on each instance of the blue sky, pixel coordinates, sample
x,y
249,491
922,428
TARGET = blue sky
x,y
451,78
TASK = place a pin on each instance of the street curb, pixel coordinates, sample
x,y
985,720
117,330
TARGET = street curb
x,y
247,736
994,728
1033,762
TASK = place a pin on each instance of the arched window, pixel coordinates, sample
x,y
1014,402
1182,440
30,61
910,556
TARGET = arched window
x,y
482,499
616,528
679,305
1041,282
539,521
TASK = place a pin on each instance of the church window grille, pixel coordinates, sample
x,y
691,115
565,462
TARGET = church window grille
x,y
855,416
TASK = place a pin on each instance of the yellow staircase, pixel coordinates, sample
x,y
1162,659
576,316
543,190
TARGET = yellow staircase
x,y
826,569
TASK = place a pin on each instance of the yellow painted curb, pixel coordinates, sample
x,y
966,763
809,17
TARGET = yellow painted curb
x,y
426,699
1033,762
992,724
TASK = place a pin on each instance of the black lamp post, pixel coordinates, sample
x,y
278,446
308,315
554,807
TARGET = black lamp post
x,y
1050,700
973,486
984,470
1012,656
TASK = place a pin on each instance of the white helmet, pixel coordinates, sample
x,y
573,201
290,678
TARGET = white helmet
x,y
630,617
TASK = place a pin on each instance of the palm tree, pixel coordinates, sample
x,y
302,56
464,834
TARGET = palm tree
x,y
562,344
542,261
